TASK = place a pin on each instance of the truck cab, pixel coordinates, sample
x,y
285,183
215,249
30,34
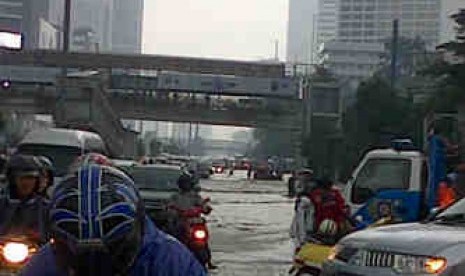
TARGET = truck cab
x,y
388,182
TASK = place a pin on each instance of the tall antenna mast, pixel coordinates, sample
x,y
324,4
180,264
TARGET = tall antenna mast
x,y
276,49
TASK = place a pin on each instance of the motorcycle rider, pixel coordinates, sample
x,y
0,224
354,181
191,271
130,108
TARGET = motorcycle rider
x,y
47,176
187,199
22,210
98,226
302,222
329,205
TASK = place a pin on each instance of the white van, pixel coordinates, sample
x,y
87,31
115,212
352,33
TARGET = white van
x,y
62,146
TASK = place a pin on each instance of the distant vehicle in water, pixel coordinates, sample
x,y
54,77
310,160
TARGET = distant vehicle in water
x,y
61,146
157,183
264,171
204,169
219,166
124,164
243,164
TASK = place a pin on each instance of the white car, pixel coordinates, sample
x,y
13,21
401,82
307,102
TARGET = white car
x,y
433,247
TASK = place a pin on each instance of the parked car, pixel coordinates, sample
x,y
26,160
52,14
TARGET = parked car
x,y
157,183
433,247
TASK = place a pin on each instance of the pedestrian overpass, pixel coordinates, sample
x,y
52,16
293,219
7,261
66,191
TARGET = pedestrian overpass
x,y
116,87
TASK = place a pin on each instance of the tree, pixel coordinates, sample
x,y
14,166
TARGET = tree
x,y
450,74
412,53
379,115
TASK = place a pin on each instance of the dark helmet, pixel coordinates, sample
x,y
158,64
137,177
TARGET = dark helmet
x,y
324,182
47,166
96,221
185,182
22,165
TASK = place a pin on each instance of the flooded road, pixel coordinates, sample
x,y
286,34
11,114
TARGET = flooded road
x,y
249,225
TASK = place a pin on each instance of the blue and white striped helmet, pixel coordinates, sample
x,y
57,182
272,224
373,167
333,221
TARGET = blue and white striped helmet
x,y
96,221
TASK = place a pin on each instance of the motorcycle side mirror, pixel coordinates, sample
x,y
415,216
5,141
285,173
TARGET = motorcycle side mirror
x,y
433,213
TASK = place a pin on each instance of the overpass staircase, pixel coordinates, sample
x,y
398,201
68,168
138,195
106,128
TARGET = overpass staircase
x,y
95,113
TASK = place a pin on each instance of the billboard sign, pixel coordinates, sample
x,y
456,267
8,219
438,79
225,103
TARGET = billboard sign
x,y
11,40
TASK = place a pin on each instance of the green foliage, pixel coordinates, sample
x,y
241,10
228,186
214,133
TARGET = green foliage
x,y
322,146
381,113
450,76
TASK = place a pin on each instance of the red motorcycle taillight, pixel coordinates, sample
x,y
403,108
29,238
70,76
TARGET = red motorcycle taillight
x,y
200,234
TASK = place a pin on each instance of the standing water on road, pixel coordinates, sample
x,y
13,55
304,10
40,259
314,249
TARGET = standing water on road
x,y
249,226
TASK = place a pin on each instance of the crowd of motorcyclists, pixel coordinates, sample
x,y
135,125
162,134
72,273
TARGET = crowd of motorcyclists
x,y
93,222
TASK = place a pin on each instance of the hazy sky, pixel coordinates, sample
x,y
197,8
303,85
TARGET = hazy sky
x,y
239,29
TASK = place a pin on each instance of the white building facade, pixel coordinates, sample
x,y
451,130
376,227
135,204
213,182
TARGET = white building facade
x,y
327,20
363,21
351,60
353,48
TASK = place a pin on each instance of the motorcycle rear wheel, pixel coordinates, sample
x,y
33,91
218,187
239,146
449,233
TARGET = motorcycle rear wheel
x,y
308,271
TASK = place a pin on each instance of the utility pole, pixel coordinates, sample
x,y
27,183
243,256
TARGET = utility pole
x,y
64,69
394,52
66,26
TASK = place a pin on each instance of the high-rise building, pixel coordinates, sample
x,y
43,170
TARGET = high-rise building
x,y
12,14
301,34
372,21
91,25
364,27
127,26
30,18
448,8
327,20
351,60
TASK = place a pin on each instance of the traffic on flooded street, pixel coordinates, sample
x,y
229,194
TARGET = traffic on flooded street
x,y
249,225
235,138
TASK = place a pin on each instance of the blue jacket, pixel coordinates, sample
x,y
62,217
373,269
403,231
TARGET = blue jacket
x,y
161,255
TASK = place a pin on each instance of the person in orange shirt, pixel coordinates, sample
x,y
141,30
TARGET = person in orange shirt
x,y
446,194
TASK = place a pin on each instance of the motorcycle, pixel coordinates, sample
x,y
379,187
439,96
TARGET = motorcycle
x,y
309,259
194,233
16,250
